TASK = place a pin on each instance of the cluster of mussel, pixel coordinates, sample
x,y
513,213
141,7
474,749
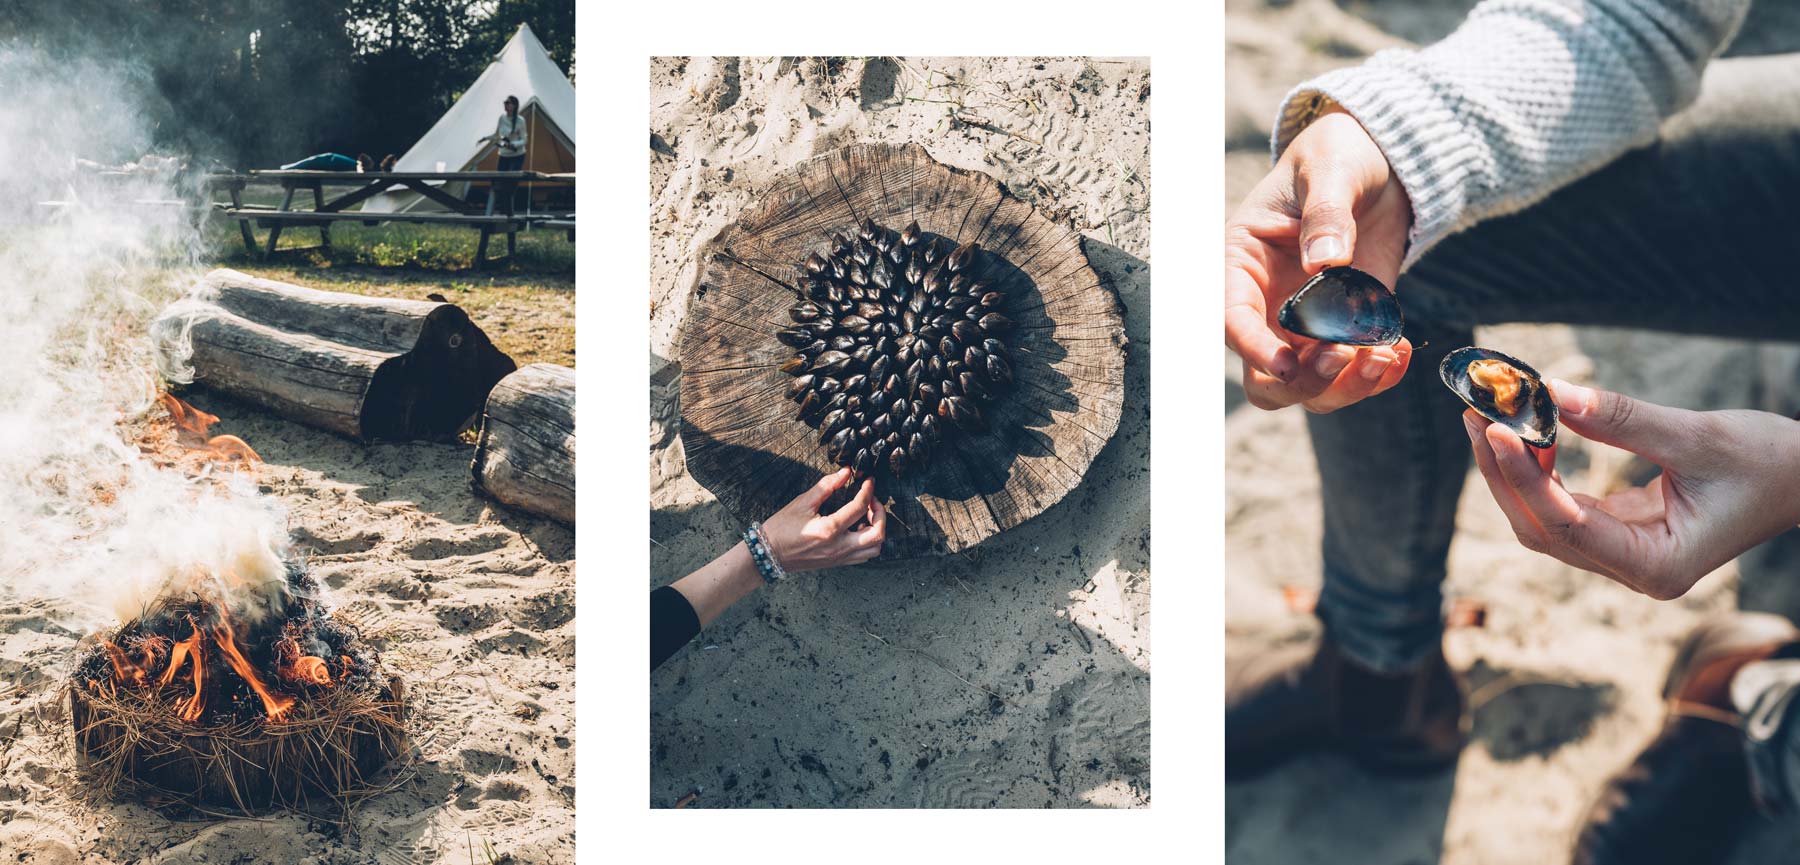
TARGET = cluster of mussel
x,y
899,348
1347,306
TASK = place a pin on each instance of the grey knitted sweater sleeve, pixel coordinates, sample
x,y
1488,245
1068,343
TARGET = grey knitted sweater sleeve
x,y
1525,97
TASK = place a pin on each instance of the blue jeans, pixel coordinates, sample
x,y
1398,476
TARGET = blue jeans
x,y
1697,233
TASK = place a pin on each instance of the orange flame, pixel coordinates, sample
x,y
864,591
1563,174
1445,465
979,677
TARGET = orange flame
x,y
296,667
190,708
187,418
229,447
125,671
138,668
312,670
130,671
276,705
191,425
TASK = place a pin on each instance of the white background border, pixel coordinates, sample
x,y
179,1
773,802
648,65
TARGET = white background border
x,y
1186,819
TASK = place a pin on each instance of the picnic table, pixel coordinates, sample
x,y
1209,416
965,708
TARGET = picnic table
x,y
113,188
367,185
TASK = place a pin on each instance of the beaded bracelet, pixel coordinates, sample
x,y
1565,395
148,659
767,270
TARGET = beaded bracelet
x,y
762,554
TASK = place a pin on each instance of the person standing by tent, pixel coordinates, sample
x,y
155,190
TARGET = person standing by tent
x,y
509,136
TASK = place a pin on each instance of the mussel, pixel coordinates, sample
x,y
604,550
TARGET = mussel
x,y
962,257
1344,305
795,337
1503,389
897,356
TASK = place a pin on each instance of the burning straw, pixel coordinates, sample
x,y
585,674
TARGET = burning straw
x,y
180,705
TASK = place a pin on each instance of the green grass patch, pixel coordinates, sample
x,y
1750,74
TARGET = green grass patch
x,y
525,303
397,245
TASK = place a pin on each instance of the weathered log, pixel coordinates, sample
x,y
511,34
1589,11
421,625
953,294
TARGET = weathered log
x,y
525,456
743,441
365,367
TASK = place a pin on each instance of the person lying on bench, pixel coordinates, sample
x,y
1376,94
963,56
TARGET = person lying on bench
x,y
363,162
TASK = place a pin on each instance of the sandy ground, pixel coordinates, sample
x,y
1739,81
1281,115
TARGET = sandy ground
x,y
1017,675
473,605
1566,672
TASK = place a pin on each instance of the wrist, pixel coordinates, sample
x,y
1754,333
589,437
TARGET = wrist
x,y
743,577
763,554
723,582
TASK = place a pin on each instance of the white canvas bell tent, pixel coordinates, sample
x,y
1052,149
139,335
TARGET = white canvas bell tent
x,y
546,100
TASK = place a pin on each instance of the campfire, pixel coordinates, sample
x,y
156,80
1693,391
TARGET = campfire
x,y
233,693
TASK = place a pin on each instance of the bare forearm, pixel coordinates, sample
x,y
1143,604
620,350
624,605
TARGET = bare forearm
x,y
720,583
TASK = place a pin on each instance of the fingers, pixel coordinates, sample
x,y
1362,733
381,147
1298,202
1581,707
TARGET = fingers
x,y
1658,433
1557,511
1589,532
1525,526
1248,334
869,540
856,509
1327,215
1247,329
819,492
1397,370
1360,378
1331,377
1267,392
1643,556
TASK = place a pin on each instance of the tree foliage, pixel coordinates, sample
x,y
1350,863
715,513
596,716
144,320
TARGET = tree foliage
x,y
256,83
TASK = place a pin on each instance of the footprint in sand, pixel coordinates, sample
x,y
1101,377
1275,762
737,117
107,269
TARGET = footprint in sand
x,y
462,618
545,610
309,541
428,549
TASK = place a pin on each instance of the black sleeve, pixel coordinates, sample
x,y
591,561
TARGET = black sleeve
x,y
672,624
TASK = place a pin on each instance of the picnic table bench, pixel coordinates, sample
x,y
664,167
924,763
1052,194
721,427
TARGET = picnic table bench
x,y
562,222
367,185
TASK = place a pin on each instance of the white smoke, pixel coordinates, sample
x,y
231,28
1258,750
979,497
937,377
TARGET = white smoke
x,y
85,516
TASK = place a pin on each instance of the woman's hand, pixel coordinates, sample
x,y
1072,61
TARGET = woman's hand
x,y
1331,200
1731,480
804,539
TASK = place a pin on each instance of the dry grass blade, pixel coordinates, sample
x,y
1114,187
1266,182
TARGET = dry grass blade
x,y
331,751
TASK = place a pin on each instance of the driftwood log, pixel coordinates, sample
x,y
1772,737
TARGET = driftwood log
x,y
525,456
365,367
740,433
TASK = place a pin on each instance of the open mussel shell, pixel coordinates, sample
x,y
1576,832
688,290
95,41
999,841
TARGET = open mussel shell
x,y
1346,306
1534,415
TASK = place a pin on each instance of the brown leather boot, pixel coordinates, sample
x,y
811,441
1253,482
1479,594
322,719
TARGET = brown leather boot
x,y
1680,801
1281,703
